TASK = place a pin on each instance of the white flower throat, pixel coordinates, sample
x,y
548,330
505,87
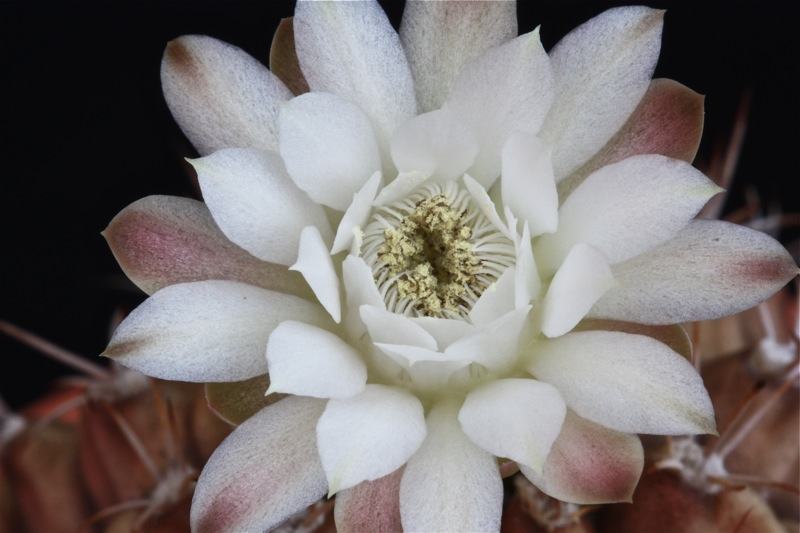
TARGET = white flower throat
x,y
433,253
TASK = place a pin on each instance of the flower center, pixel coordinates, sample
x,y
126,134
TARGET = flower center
x,y
433,253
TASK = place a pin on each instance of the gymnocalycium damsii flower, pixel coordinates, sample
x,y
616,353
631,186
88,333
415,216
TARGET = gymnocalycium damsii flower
x,y
449,250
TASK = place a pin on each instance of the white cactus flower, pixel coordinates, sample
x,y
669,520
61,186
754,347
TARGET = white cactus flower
x,y
451,251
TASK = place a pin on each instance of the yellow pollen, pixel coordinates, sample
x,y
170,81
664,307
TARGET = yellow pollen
x,y
432,253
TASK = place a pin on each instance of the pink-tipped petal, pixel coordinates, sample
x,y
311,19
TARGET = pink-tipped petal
x,y
219,95
450,484
710,269
602,70
206,330
668,121
164,240
236,401
372,506
590,464
264,472
440,37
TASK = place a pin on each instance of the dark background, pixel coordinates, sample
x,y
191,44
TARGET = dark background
x,y
87,132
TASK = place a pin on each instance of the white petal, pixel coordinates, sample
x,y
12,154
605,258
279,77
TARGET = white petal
x,y
329,147
450,484
370,505
220,96
369,435
440,37
485,204
350,49
709,270
528,184
265,471
308,361
514,418
384,326
602,69
436,144
626,208
357,214
495,345
444,330
360,289
508,88
630,383
497,299
582,279
206,330
314,262
590,464
255,204
404,183
528,284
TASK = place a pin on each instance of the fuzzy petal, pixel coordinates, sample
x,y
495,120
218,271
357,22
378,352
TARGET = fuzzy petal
x,y
437,144
369,435
206,330
351,50
673,335
590,464
220,96
514,418
308,361
582,280
255,203
626,208
236,401
314,262
450,484
264,472
283,58
710,269
601,69
372,506
508,88
164,240
529,187
668,121
329,147
629,383
440,37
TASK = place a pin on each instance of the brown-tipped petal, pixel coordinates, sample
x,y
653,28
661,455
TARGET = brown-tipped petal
x,y
164,240
668,121
590,464
220,96
264,472
672,335
237,401
370,506
283,58
710,269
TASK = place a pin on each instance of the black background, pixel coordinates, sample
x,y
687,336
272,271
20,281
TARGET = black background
x,y
86,132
